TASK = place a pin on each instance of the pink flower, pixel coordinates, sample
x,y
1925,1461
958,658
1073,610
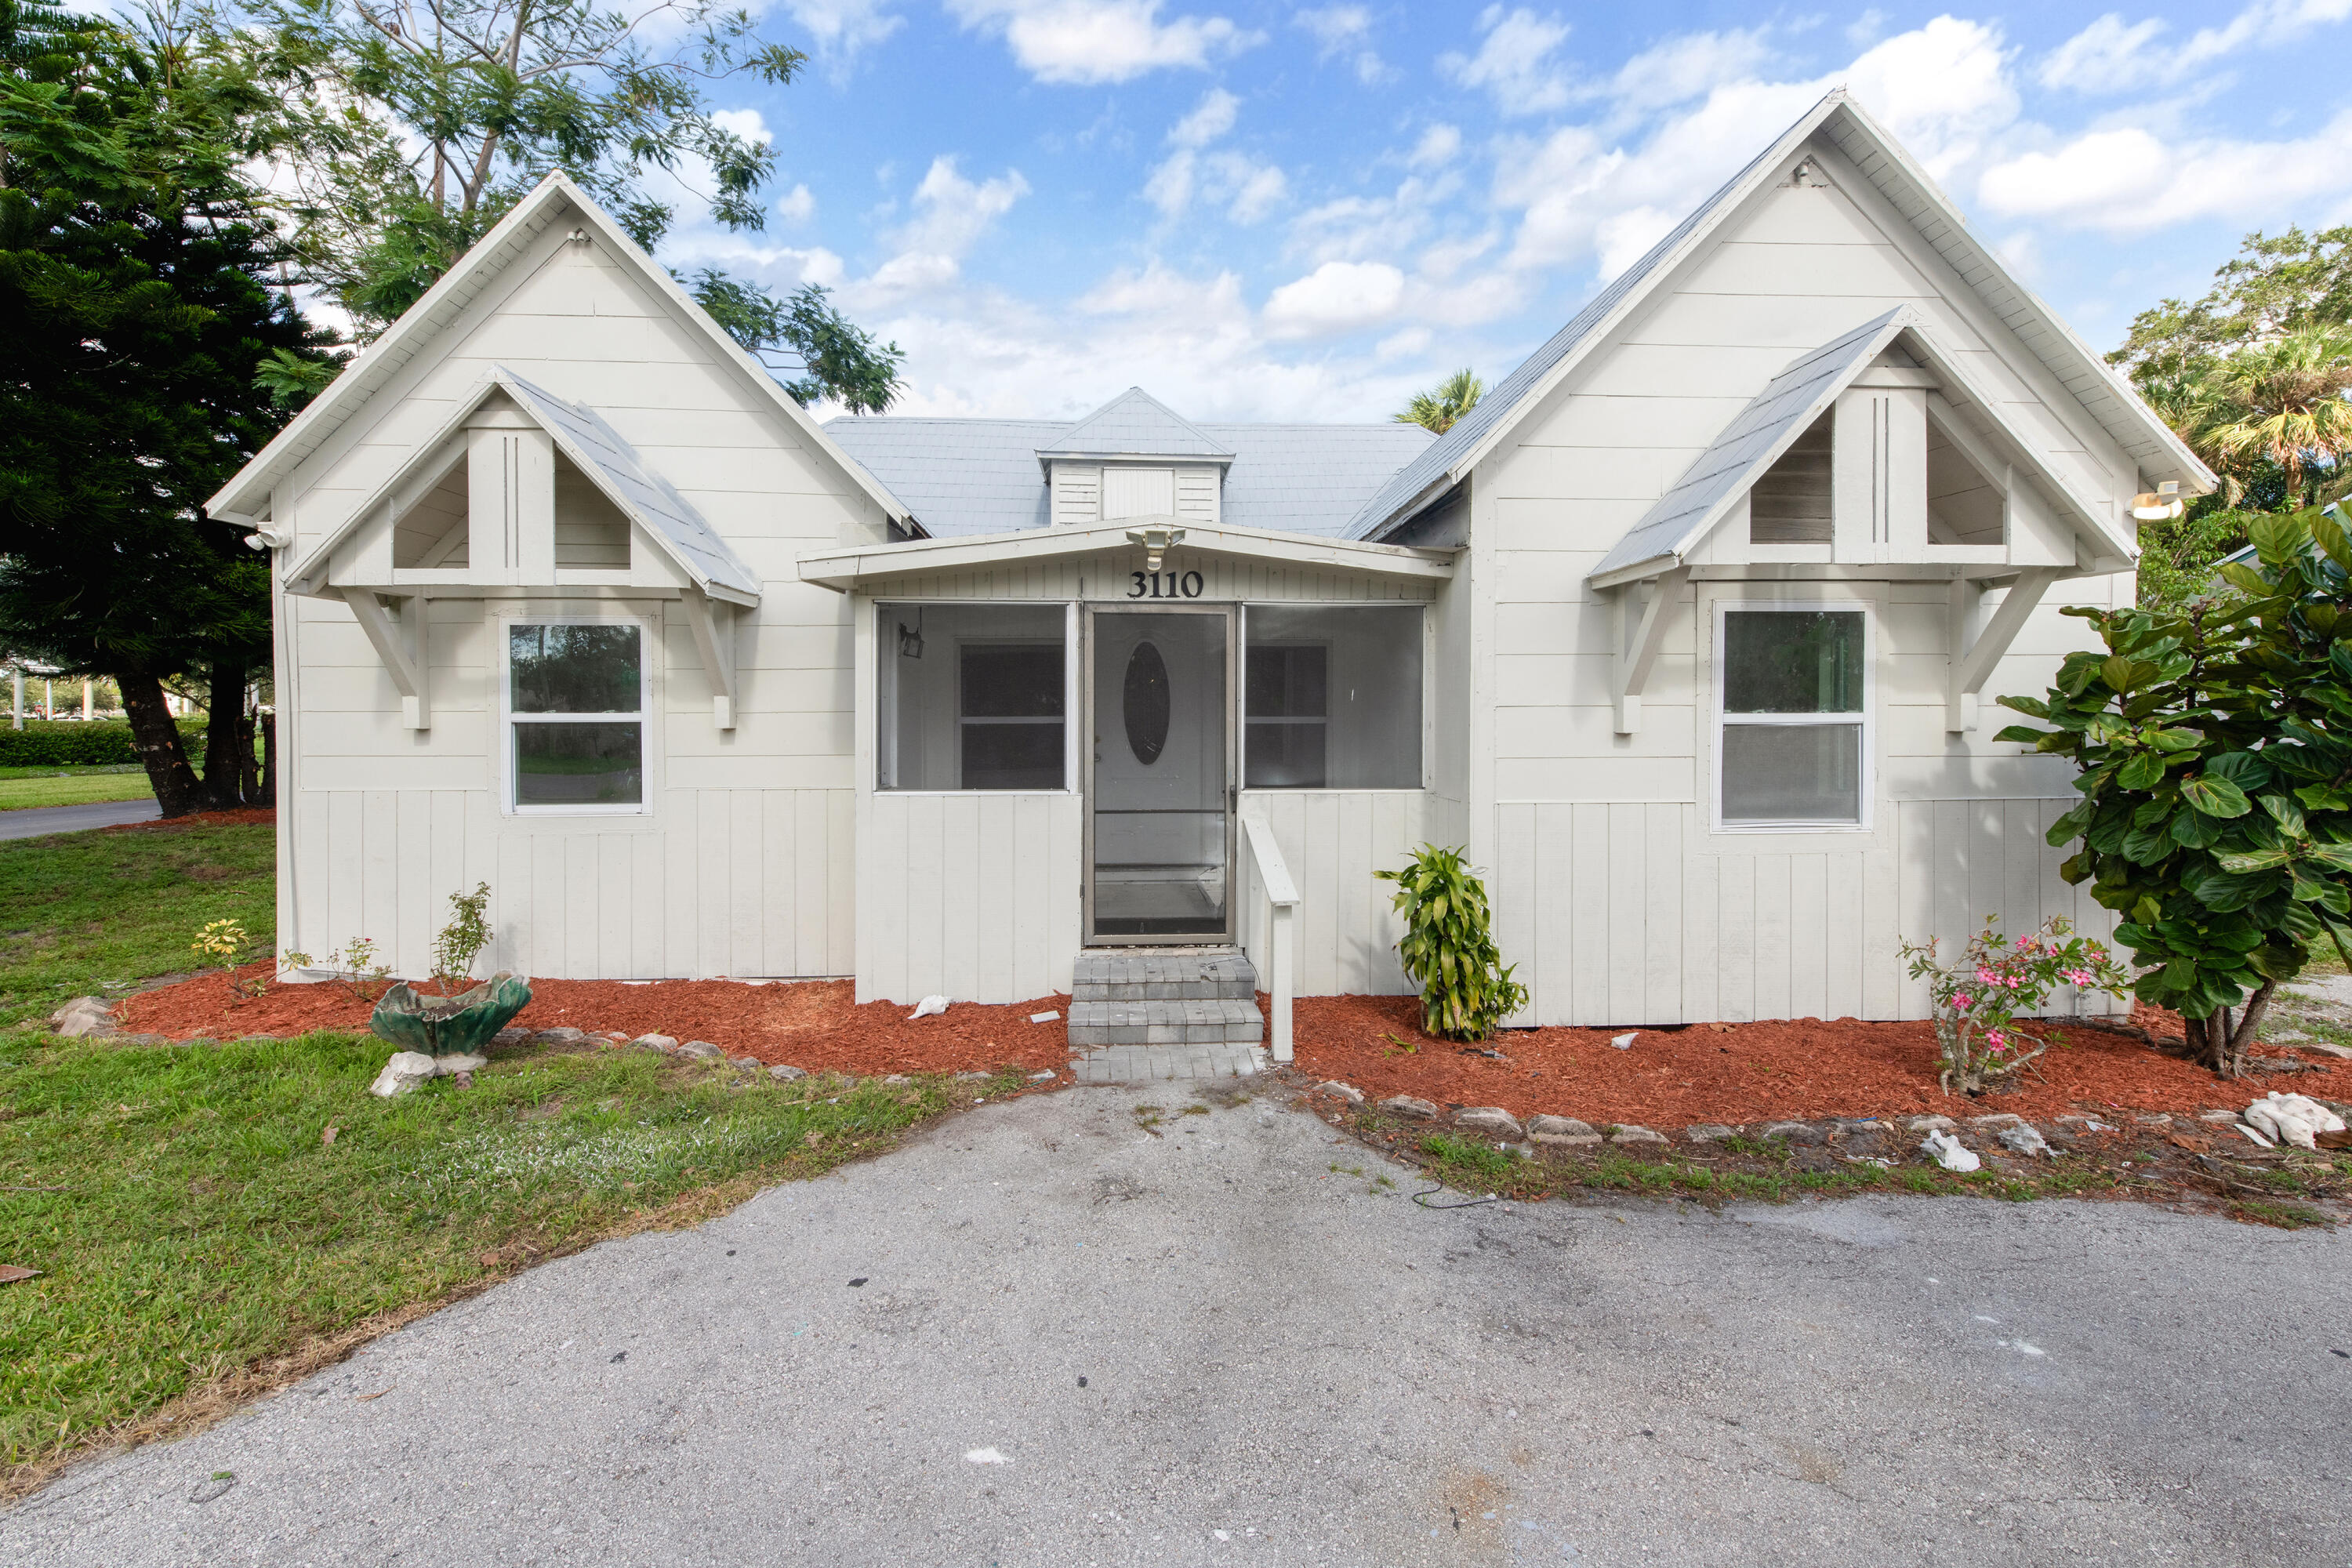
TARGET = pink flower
x,y
1987,976
2076,976
1960,1000
1997,1040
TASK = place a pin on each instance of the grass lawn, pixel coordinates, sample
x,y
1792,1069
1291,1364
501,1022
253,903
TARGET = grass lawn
x,y
22,787
201,1238
93,913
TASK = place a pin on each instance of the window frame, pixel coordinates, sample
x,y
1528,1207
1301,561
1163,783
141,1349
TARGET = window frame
x,y
884,634
1426,740
965,721
1866,720
510,771
1322,720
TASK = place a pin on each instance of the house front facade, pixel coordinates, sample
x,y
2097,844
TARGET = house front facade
x,y
1689,632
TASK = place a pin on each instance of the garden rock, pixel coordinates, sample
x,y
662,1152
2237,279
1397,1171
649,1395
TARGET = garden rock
x,y
559,1036
1407,1105
2293,1118
927,1007
407,1072
2024,1139
1347,1091
82,1015
1949,1152
508,1038
450,1066
1709,1132
1562,1132
1623,1042
744,1061
898,1078
1796,1133
1492,1119
1629,1133
701,1050
784,1072
664,1044
2217,1116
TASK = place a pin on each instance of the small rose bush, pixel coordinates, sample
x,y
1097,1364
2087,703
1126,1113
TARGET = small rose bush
x,y
1981,999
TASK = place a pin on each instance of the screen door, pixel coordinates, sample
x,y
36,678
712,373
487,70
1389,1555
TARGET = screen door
x,y
1160,776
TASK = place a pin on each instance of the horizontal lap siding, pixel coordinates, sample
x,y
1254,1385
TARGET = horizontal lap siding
x,y
972,897
749,883
1619,913
1333,841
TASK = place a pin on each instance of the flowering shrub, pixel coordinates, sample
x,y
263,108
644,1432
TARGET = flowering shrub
x,y
1979,1000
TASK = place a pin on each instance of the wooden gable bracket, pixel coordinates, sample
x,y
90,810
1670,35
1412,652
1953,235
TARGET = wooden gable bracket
x,y
404,648
713,625
1638,642
1970,662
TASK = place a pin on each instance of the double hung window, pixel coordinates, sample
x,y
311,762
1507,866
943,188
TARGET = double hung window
x,y
576,716
1792,741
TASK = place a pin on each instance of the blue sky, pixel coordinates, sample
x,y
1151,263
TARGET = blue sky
x,y
1306,213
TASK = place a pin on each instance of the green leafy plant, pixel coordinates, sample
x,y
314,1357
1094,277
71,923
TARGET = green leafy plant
x,y
1466,989
357,969
1980,997
461,942
2215,750
226,942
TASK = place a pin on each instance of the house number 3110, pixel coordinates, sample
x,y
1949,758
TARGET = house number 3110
x,y
1163,586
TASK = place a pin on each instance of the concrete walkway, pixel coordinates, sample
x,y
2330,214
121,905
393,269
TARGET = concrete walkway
x,y
34,821
1041,1335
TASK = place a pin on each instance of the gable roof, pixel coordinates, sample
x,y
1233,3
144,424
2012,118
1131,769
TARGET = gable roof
x,y
1135,425
2102,392
1751,443
1776,416
968,476
553,201
610,464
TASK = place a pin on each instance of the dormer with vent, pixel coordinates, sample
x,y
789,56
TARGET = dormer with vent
x,y
1134,458
523,493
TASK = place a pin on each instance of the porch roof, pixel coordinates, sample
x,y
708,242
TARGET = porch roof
x,y
844,570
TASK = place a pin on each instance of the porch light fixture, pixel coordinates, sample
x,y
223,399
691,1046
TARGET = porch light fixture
x,y
2156,506
1156,539
910,642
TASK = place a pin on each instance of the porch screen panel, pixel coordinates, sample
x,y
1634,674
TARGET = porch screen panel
x,y
1332,696
971,697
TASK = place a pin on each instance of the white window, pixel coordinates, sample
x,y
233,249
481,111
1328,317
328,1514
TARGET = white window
x,y
576,702
1793,725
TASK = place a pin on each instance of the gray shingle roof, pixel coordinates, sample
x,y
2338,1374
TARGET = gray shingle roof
x,y
1135,425
1751,443
614,465
962,477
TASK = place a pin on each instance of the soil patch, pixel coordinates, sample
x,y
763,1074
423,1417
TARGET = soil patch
x,y
812,1024
252,814
1739,1073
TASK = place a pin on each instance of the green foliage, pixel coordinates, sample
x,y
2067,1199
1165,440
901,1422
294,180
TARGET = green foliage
x,y
1466,990
1449,400
2177,557
461,942
73,744
1979,998
2215,750
190,1213
840,361
2274,286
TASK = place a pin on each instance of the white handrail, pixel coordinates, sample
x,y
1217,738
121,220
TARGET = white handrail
x,y
1282,909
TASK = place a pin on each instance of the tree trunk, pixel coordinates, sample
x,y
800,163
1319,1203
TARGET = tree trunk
x,y
157,741
269,722
224,776
2257,1006
248,766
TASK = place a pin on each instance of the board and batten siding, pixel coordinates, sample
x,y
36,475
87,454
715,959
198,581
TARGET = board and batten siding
x,y
1333,841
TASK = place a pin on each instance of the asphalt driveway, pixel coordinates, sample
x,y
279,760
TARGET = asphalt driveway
x,y
1074,1342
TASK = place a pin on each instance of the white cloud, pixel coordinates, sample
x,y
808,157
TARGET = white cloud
x,y
1257,188
1211,118
1688,67
796,205
841,29
1437,147
1514,64
747,123
1622,239
950,214
2112,56
2129,181
1336,297
1092,41
1170,186
1345,32
1943,90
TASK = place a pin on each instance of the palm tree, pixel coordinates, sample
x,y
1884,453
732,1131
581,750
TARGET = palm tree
x,y
1438,409
2282,401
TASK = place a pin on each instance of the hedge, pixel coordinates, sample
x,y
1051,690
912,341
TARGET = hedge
x,y
74,743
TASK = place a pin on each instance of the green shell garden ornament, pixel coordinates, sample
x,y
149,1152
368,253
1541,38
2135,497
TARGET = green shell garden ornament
x,y
450,1026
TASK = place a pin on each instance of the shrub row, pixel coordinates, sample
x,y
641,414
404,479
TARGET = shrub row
x,y
73,744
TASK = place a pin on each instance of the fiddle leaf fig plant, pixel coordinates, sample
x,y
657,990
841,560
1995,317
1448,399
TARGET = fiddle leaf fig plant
x,y
2214,745
1448,949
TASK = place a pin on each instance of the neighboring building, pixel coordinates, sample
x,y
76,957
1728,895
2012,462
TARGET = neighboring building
x,y
1682,631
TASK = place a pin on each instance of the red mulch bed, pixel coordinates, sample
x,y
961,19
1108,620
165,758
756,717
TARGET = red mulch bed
x,y
812,1024
217,818
1739,1073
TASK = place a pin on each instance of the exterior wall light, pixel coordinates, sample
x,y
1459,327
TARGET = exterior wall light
x,y
2156,506
1156,539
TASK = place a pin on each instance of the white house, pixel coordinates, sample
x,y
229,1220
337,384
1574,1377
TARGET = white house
x,y
1683,632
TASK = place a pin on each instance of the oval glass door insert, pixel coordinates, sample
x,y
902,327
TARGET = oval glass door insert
x,y
1144,703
